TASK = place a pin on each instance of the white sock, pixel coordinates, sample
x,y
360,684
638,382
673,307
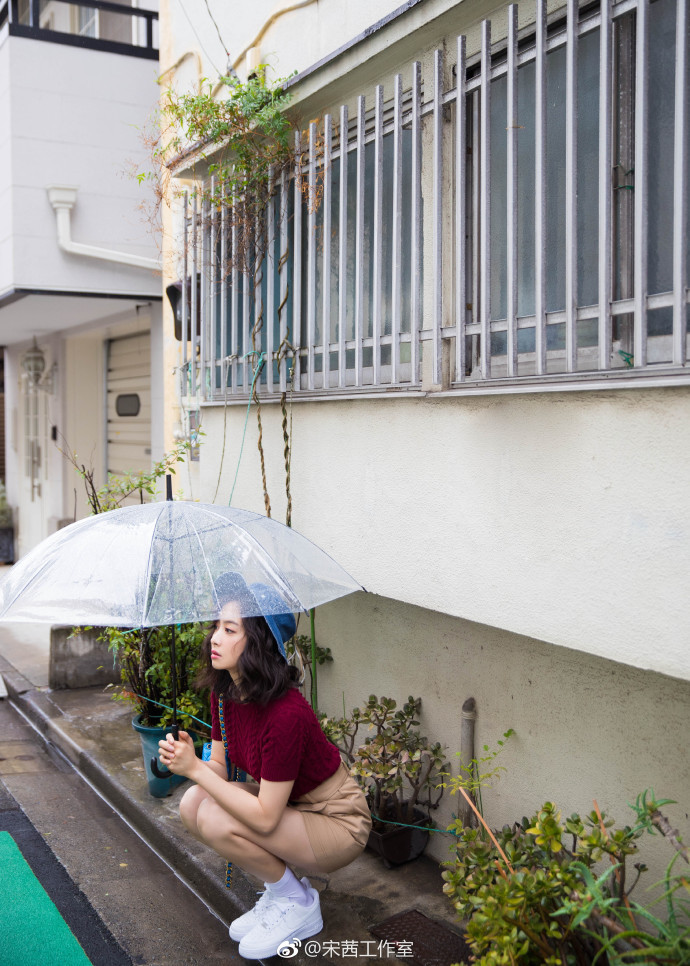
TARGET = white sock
x,y
289,887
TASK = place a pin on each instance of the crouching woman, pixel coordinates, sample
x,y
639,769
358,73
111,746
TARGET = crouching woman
x,y
304,809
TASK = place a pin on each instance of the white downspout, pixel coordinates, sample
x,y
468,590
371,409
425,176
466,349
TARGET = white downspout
x,y
63,197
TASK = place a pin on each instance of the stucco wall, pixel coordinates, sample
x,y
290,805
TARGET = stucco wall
x,y
560,516
586,728
291,41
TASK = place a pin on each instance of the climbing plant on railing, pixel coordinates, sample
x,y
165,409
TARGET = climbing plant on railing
x,y
240,135
241,139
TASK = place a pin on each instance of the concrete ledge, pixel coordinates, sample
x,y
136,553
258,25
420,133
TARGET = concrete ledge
x,y
172,843
80,660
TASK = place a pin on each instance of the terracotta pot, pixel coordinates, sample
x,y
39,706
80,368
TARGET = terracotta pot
x,y
400,843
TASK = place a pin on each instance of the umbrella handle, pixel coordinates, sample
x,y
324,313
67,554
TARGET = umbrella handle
x,y
155,767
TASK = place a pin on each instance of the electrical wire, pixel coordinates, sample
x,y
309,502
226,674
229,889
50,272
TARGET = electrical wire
x,y
222,42
259,366
181,4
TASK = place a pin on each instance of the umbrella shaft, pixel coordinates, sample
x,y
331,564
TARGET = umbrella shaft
x,y
173,681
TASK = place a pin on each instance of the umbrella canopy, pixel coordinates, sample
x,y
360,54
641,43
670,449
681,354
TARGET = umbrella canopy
x,y
158,563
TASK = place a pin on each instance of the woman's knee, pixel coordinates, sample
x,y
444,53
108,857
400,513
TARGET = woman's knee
x,y
214,823
189,807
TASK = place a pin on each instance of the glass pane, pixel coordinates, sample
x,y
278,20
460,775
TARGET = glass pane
x,y
662,32
498,236
127,404
588,173
116,26
367,251
525,247
555,182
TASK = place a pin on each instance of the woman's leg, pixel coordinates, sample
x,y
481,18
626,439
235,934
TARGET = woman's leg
x,y
192,799
264,856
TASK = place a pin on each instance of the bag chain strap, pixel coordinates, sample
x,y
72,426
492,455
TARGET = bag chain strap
x,y
234,775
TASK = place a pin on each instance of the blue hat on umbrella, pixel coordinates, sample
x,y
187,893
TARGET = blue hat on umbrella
x,y
255,600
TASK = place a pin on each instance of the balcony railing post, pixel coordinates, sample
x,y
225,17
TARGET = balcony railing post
x,y
34,13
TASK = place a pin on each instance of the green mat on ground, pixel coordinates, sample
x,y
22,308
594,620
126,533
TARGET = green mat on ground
x,y
32,931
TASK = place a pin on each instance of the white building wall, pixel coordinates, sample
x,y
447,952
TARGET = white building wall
x,y
486,531
561,516
77,118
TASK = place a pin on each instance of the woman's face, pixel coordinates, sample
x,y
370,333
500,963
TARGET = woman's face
x,y
228,640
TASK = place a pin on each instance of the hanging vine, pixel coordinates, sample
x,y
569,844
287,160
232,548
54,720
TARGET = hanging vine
x,y
241,135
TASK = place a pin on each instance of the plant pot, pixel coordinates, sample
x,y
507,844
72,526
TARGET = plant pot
x,y
400,843
150,736
6,543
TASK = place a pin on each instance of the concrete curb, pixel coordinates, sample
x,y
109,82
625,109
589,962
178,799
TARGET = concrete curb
x,y
207,884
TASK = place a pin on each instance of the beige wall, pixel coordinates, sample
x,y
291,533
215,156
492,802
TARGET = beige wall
x,y
585,727
84,426
288,42
84,398
560,516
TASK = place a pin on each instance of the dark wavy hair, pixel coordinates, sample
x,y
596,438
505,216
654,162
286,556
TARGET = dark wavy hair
x,y
264,673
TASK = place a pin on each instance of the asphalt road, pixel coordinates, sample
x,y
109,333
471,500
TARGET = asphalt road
x,y
122,902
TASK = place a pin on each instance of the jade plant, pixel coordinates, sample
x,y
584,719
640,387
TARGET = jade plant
x,y
397,766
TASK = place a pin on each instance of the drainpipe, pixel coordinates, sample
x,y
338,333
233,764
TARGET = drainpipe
x,y
63,197
469,716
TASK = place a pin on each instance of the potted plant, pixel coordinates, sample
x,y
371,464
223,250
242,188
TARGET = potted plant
x,y
399,770
6,528
144,658
143,654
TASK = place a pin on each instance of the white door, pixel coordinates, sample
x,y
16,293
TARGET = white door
x,y
129,405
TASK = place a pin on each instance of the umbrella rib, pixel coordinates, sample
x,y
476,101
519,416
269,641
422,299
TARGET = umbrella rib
x,y
203,554
148,569
277,577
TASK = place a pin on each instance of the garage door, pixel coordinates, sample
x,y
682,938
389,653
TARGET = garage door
x,y
129,404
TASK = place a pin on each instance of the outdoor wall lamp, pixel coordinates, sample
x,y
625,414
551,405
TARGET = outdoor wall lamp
x,y
33,363
174,293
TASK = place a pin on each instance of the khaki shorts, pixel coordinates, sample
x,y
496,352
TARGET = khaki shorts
x,y
337,819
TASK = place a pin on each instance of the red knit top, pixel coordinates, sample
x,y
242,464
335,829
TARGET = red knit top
x,y
280,741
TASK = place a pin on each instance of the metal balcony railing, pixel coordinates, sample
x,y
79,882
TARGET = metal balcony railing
x,y
98,24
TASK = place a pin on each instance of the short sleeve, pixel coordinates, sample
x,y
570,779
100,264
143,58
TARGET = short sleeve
x,y
283,746
216,733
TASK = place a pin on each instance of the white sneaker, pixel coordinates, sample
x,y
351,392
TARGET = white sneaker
x,y
244,924
283,921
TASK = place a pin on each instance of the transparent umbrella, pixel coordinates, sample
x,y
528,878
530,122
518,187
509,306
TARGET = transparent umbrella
x,y
158,563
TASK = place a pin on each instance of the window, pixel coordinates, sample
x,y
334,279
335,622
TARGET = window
x,y
525,223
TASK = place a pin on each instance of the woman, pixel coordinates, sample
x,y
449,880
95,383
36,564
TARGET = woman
x,y
306,810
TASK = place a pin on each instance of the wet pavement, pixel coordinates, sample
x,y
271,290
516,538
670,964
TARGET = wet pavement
x,y
94,733
123,895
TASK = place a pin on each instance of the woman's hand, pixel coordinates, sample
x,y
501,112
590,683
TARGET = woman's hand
x,y
178,757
